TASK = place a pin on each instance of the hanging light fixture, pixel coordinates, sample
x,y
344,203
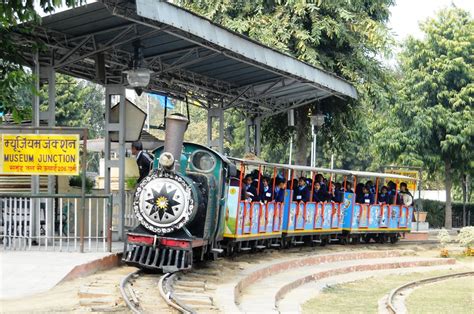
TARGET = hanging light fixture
x,y
138,76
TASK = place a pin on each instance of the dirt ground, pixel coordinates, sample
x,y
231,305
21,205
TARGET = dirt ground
x,y
100,292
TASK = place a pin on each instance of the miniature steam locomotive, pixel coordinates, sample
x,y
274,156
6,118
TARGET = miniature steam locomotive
x,y
189,208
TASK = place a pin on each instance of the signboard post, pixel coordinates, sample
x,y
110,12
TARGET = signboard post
x,y
24,152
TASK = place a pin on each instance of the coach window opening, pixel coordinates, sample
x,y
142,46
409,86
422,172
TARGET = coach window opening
x,y
395,201
291,184
313,178
259,178
376,201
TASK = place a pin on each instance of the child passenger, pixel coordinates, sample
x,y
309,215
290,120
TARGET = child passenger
x,y
302,193
249,192
280,191
266,194
383,196
367,197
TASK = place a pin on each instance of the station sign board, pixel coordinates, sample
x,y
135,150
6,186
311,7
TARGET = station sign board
x,y
411,185
39,154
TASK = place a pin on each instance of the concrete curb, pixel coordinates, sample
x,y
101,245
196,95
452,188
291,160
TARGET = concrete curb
x,y
308,261
92,267
359,268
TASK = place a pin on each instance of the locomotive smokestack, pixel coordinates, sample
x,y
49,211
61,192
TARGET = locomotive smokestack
x,y
176,125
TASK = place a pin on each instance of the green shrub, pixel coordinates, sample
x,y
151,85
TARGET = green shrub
x,y
77,182
435,211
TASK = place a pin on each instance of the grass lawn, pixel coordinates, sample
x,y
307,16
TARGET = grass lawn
x,y
450,296
362,296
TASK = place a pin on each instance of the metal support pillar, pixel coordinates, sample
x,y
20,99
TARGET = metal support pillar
x,y
248,126
110,92
35,121
51,117
258,136
212,115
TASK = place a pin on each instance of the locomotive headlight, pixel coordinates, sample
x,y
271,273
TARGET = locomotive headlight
x,y
166,161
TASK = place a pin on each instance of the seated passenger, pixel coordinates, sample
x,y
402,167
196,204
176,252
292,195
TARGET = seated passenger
x,y
280,191
349,187
367,197
360,193
322,182
383,196
266,193
392,191
371,186
319,194
249,192
302,193
405,196
338,193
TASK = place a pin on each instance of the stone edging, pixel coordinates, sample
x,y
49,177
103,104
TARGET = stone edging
x,y
359,268
89,268
308,261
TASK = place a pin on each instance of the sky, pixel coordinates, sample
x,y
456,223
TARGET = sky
x,y
406,14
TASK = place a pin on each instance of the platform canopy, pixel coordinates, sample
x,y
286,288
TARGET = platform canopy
x,y
188,54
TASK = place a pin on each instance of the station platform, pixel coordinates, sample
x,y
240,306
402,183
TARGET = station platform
x,y
24,273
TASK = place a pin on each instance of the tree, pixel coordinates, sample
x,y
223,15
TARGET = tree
x,y
344,37
436,112
78,104
15,82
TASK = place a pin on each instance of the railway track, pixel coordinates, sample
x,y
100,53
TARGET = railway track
x,y
192,291
178,292
391,303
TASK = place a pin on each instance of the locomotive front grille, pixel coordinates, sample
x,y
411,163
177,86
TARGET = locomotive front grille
x,y
159,258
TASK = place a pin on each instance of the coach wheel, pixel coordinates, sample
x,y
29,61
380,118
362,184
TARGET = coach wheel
x,y
355,239
324,241
382,238
366,238
393,239
343,240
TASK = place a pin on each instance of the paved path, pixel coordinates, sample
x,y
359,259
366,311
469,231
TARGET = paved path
x,y
24,273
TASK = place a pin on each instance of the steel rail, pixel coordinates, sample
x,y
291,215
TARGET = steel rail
x,y
389,303
166,292
127,295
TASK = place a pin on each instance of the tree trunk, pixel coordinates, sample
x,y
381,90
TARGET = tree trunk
x,y
448,218
464,198
301,136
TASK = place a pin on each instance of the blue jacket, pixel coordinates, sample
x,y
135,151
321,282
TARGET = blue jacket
x,y
383,198
301,194
266,195
368,198
279,195
250,189
320,195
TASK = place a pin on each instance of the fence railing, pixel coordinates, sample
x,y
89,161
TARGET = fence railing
x,y
130,219
56,222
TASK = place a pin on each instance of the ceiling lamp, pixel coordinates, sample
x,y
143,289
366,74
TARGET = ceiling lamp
x,y
317,120
138,75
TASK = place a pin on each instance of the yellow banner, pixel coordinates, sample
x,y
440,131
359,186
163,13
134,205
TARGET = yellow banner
x,y
39,154
411,185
